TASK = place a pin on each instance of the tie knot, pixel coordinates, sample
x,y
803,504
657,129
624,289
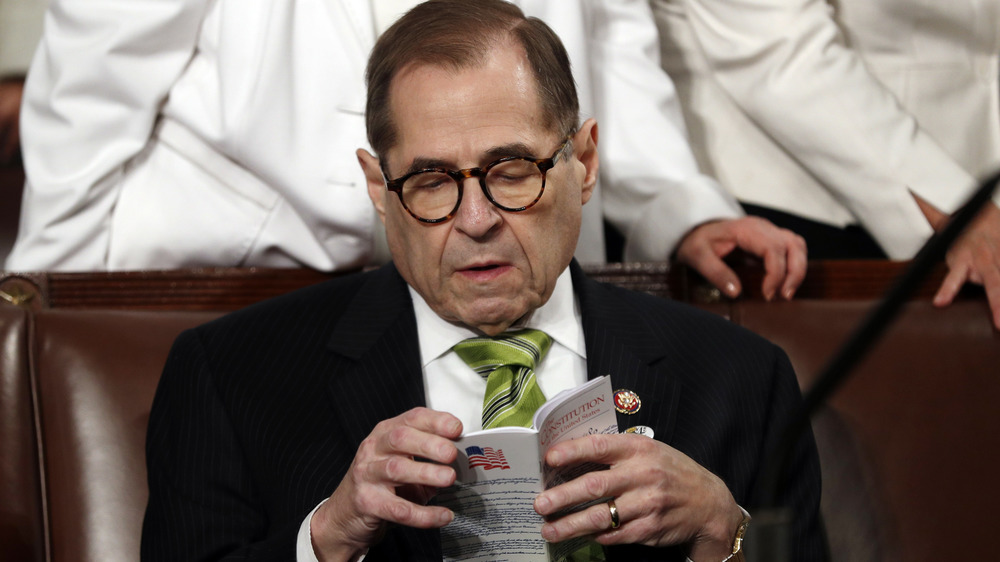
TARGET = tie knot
x,y
524,348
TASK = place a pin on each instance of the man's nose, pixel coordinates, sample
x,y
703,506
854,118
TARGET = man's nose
x,y
476,215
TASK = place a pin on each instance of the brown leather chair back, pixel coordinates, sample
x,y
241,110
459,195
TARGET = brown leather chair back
x,y
920,412
21,519
97,373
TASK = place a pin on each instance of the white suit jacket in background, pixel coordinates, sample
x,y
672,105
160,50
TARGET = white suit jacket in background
x,y
180,133
837,110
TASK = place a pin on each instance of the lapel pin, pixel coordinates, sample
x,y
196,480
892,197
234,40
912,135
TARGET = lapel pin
x,y
641,430
627,402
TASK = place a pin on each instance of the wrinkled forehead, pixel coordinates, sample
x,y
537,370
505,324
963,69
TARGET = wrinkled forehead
x,y
440,110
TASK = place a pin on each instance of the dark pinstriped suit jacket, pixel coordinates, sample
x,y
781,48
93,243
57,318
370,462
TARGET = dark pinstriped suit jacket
x,y
258,414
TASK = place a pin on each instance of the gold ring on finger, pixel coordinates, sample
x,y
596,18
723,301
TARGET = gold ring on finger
x,y
615,521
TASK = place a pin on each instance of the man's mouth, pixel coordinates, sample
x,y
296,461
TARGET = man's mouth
x,y
484,272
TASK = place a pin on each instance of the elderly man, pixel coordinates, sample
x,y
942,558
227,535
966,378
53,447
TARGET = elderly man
x,y
320,424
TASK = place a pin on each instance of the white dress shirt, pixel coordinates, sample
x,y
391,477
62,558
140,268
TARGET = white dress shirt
x,y
452,386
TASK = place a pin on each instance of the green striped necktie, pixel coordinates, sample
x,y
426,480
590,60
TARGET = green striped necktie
x,y
508,363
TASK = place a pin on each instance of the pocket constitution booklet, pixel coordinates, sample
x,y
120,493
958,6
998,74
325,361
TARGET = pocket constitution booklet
x,y
501,471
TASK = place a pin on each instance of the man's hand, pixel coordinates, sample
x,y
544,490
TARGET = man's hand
x,y
385,484
974,257
783,252
663,497
10,108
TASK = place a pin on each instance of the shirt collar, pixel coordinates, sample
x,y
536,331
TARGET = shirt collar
x,y
559,317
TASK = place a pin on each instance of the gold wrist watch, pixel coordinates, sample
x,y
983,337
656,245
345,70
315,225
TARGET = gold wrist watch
x,y
741,530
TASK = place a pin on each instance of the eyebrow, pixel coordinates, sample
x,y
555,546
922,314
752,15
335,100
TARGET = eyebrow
x,y
492,154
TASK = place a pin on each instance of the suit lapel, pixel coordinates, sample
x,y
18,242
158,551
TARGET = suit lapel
x,y
378,373
618,344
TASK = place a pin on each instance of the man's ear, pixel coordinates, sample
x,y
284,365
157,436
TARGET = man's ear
x,y
374,179
585,150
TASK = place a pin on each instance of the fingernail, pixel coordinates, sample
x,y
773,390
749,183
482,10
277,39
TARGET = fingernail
x,y
542,505
448,475
789,293
447,517
731,289
548,533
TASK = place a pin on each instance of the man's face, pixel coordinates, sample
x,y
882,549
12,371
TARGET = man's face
x,y
484,268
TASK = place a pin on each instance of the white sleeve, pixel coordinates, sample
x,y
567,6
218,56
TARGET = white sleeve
x,y
652,190
97,81
787,65
303,542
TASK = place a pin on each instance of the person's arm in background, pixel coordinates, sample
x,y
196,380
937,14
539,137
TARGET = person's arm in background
x,y
787,64
98,79
974,257
653,191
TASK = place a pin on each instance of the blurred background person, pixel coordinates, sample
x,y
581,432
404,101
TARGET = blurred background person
x,y
196,133
860,124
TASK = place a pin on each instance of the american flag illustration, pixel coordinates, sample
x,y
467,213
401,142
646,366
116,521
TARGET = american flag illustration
x,y
486,457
